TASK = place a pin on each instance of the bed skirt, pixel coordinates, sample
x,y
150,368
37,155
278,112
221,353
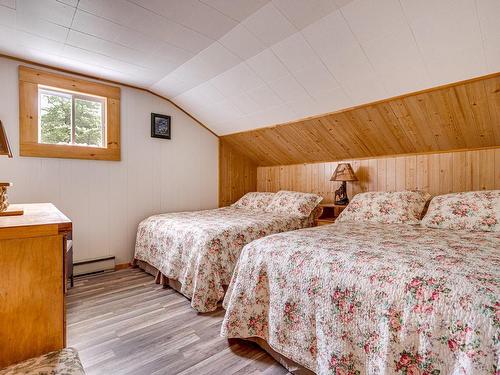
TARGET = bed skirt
x,y
161,279
293,367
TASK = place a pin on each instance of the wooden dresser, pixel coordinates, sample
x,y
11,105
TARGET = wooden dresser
x,y
32,281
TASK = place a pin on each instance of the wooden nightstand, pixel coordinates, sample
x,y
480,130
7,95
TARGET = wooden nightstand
x,y
330,212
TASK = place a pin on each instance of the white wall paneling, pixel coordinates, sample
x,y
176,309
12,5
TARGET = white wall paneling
x,y
106,200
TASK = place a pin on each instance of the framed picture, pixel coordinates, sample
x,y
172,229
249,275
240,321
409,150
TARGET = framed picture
x,y
160,126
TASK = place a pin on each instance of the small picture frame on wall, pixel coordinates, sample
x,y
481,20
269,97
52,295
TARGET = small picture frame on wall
x,y
160,126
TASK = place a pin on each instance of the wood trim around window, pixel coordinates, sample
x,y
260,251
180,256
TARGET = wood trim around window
x,y
29,79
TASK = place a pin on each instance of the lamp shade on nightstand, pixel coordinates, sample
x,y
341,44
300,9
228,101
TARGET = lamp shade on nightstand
x,y
343,172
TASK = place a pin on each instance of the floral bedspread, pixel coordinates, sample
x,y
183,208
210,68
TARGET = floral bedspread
x,y
359,298
200,249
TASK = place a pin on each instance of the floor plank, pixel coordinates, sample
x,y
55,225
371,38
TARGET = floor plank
x,y
123,323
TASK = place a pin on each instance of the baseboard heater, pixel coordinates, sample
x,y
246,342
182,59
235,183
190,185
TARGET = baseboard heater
x,y
95,265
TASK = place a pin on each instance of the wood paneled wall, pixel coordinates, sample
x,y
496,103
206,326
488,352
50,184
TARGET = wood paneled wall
x,y
237,175
438,173
459,116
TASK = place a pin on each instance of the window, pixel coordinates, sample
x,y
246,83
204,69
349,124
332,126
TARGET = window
x,y
68,118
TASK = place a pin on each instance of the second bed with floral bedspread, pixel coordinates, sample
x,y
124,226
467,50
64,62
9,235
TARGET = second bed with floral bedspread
x,y
355,298
200,249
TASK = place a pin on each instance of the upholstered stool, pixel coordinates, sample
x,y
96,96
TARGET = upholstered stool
x,y
62,362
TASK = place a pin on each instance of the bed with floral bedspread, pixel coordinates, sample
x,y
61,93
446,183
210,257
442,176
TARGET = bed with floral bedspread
x,y
200,249
360,298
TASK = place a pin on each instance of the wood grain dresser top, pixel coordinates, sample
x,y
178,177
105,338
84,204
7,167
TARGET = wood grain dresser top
x,y
36,215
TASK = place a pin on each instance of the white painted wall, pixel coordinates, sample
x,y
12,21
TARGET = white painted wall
x,y
106,200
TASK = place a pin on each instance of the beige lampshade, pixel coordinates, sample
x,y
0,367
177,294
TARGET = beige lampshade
x,y
4,142
344,172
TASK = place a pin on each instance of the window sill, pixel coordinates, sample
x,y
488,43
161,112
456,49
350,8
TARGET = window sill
x,y
69,152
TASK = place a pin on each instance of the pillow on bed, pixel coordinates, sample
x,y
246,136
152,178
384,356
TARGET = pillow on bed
x,y
254,201
474,211
398,207
293,203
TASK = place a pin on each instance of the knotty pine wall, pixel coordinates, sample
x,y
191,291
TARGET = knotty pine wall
x,y
237,175
438,173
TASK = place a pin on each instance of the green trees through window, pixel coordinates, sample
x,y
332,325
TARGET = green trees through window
x,y
67,118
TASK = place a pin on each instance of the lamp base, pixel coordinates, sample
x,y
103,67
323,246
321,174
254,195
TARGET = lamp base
x,y
341,195
4,202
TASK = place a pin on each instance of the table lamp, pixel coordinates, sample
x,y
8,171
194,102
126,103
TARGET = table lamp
x,y
343,173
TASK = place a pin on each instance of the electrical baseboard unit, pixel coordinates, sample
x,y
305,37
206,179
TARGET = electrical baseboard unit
x,y
84,267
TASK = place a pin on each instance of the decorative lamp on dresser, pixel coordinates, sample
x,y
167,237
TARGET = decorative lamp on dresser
x,y
32,282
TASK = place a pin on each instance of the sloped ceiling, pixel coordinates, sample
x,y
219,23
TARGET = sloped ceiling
x,y
242,64
460,116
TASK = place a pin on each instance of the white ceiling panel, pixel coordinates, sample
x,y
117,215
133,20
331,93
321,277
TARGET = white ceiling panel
x,y
209,63
103,47
236,80
330,36
193,14
8,3
242,42
171,86
295,53
97,26
398,63
164,53
304,107
492,55
264,97
236,9
49,10
288,89
98,59
416,10
119,11
165,30
245,104
489,11
243,64
444,67
373,19
8,17
225,111
332,100
316,79
45,29
72,3
302,13
269,25
267,66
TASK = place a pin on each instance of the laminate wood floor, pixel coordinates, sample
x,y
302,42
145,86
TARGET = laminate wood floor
x,y
123,323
